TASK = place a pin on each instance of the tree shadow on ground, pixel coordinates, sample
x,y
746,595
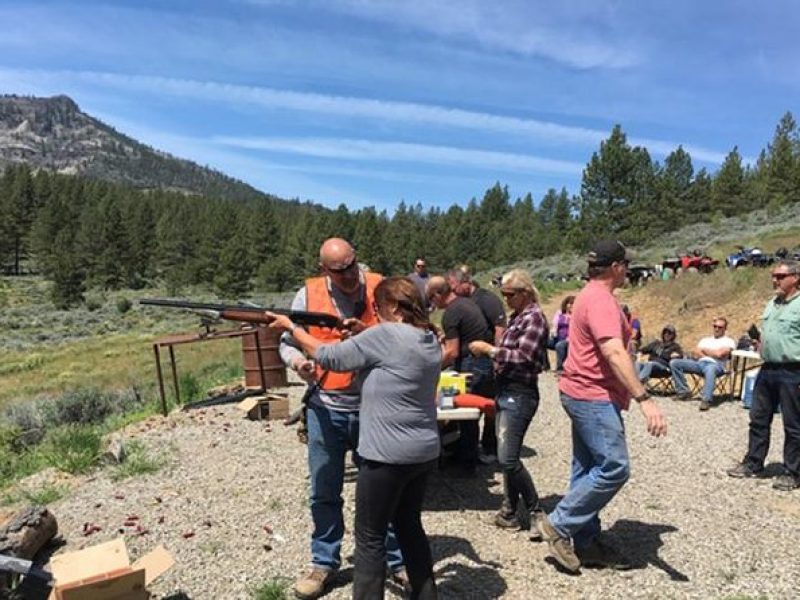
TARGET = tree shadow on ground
x,y
481,579
641,541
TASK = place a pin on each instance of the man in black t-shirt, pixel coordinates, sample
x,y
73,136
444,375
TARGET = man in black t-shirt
x,y
463,323
491,306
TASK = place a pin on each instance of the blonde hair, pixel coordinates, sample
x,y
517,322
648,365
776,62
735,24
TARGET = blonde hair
x,y
519,279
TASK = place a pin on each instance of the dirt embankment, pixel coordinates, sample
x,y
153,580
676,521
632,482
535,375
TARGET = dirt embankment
x,y
691,301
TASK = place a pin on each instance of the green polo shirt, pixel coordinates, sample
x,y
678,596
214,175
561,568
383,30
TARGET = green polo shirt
x,y
781,335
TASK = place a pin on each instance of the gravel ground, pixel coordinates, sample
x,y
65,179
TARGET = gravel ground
x,y
240,488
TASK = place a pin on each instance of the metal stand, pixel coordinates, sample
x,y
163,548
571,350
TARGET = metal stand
x,y
176,340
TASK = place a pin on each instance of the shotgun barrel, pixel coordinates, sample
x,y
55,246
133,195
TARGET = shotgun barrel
x,y
248,313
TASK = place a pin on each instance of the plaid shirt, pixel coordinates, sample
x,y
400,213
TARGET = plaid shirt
x,y
520,355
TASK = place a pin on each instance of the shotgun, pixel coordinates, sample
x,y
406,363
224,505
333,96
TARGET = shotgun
x,y
248,313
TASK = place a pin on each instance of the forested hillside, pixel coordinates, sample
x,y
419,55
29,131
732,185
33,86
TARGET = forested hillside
x,y
54,134
81,232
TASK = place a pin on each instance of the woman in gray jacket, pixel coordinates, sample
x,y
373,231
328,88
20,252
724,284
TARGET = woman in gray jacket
x,y
398,368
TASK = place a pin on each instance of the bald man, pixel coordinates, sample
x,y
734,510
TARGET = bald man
x,y
343,289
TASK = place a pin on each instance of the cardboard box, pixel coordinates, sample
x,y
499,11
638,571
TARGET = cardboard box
x,y
104,572
269,407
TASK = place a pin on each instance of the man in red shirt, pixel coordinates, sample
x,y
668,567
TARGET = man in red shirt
x,y
597,384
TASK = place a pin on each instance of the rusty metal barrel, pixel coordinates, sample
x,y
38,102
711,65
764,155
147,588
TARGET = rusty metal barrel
x,y
262,362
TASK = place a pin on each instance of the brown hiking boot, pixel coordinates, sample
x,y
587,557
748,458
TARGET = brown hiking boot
x,y
312,585
705,405
602,556
560,547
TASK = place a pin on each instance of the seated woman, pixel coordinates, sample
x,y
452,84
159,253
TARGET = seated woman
x,y
659,354
560,339
398,363
518,360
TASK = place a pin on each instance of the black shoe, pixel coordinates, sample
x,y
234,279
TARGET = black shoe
x,y
743,470
505,520
683,396
599,555
786,483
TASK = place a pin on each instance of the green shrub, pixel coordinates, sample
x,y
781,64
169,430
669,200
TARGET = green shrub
x,y
276,588
72,448
189,386
138,461
83,406
123,305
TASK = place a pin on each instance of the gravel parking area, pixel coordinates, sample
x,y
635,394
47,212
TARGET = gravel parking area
x,y
231,506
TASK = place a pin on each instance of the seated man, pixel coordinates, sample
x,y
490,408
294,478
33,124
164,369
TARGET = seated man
x,y
708,360
659,354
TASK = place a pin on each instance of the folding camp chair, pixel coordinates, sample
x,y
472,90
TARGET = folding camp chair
x,y
661,385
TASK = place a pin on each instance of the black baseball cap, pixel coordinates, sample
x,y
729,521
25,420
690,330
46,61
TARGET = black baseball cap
x,y
606,252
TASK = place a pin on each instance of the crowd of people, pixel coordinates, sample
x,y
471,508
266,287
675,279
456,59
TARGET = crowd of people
x,y
373,384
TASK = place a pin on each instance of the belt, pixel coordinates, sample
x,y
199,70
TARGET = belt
x,y
787,366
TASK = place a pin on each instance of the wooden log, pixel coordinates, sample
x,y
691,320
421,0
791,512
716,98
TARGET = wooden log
x,y
27,532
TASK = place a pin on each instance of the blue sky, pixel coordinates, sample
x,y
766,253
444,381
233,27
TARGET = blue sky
x,y
372,102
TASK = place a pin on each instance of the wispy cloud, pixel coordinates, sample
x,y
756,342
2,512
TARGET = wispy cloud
x,y
351,149
348,106
524,28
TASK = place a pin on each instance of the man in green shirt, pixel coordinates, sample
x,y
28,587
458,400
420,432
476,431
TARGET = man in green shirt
x,y
778,381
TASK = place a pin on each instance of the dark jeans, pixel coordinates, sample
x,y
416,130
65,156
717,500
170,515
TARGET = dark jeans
x,y
330,435
482,384
775,387
391,493
515,410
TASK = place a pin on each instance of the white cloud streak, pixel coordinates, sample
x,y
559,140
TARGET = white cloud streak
x,y
366,150
570,35
347,106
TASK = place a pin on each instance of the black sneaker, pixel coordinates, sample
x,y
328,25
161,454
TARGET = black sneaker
x,y
786,483
507,520
744,470
599,555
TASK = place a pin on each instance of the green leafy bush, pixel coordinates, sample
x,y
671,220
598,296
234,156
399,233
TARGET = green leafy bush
x,y
123,305
72,448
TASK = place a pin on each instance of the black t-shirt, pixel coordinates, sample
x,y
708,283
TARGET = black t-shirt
x,y
463,319
491,307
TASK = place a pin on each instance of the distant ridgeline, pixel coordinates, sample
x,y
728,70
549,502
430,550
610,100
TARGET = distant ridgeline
x,y
88,207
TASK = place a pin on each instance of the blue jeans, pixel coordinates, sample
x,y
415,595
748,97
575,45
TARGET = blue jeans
x,y
708,369
515,410
649,368
562,349
330,435
600,467
482,384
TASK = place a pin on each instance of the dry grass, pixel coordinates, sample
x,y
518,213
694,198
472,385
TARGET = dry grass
x,y
110,362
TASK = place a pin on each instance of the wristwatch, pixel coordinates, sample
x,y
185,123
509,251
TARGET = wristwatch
x,y
642,397
493,352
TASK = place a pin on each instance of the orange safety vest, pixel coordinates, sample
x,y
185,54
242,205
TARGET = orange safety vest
x,y
318,299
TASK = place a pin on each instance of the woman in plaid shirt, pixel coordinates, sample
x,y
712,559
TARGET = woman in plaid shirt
x,y
518,360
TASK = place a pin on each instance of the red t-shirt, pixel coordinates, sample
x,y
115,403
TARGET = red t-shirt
x,y
596,316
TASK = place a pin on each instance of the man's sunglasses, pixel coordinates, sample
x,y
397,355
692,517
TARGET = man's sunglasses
x,y
344,269
782,276
418,266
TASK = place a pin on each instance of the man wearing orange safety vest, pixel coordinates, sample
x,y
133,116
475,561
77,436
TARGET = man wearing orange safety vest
x,y
343,289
